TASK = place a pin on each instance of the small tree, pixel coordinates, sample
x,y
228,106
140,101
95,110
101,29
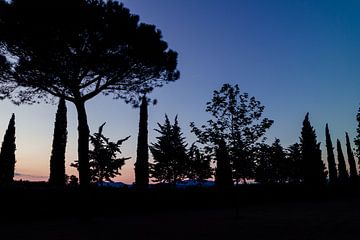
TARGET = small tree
x,y
330,157
7,154
294,156
351,159
142,159
237,125
104,162
313,167
199,168
343,174
223,173
169,153
57,159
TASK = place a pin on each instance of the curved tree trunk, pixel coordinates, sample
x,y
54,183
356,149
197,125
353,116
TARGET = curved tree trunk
x,y
83,144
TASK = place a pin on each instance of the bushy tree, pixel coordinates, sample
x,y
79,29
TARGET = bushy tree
x,y
104,161
330,157
237,124
272,164
169,153
57,159
351,159
7,154
313,167
142,159
77,49
343,174
294,157
199,165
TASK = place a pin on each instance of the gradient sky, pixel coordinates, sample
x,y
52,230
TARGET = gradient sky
x,y
294,56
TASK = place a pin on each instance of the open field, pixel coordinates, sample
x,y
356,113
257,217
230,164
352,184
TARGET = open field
x,y
186,214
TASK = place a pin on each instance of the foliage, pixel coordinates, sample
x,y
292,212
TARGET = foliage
x,y
7,154
351,158
77,49
223,173
142,159
57,159
272,164
169,154
199,165
343,174
236,120
330,157
313,167
294,157
104,163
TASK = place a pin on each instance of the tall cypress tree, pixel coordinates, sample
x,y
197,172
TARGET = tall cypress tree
x,y
351,159
142,160
223,173
330,156
7,154
343,174
313,167
357,139
57,159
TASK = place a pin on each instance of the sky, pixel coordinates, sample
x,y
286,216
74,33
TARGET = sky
x,y
294,56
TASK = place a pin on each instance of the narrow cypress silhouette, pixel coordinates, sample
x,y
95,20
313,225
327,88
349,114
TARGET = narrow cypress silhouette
x,y
142,160
223,175
351,159
57,159
343,174
330,156
7,154
313,168
357,138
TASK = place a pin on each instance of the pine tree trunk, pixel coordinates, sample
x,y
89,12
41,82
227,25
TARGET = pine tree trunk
x,y
83,144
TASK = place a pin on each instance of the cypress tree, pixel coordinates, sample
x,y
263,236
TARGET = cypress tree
x,y
7,154
351,159
313,167
343,174
57,159
330,157
223,173
142,160
357,139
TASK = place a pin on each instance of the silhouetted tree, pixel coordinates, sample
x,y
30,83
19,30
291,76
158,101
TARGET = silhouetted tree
x,y
357,139
351,159
236,123
343,174
223,173
313,167
7,154
294,156
199,168
273,166
57,159
77,49
142,159
330,157
104,161
169,153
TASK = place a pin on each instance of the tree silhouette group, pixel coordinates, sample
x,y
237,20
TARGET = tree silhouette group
x,y
74,50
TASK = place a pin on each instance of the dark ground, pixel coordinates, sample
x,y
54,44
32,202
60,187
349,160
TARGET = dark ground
x,y
251,212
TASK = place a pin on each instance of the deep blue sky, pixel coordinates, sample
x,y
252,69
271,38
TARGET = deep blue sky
x,y
294,56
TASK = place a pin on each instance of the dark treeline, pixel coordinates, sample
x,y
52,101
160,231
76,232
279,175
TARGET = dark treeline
x,y
108,51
